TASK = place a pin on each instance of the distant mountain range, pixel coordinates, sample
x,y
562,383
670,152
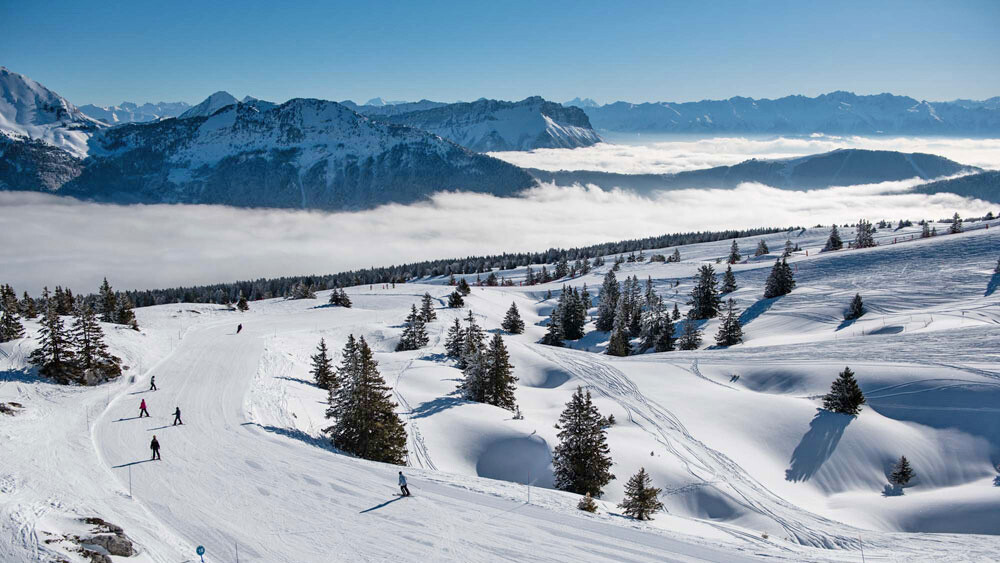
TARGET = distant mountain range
x,y
984,186
303,153
129,112
840,113
843,167
317,154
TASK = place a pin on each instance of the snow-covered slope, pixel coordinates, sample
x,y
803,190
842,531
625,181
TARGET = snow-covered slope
x,y
210,105
303,153
129,112
833,113
29,110
491,125
733,436
842,167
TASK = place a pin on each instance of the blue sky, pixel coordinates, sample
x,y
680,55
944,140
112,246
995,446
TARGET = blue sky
x,y
107,52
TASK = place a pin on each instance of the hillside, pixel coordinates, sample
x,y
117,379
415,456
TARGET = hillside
x,y
925,354
492,125
842,167
836,113
984,186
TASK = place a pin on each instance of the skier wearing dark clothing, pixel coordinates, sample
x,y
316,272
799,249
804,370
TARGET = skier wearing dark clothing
x,y
177,417
239,328
155,446
402,485
152,383
142,408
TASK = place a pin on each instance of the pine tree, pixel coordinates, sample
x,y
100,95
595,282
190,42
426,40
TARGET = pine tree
x,y
845,395
925,231
610,295
956,225
124,315
241,304
463,287
455,300
581,461
10,327
554,332
500,380
28,307
427,313
366,421
512,322
762,248
322,368
734,253
8,300
93,360
302,290
728,281
455,341
574,314
474,376
690,336
587,503
473,342
856,309
833,242
641,497
704,295
414,334
789,249
562,268
54,355
902,473
865,235
619,344
780,281
676,314
676,256
730,331
109,302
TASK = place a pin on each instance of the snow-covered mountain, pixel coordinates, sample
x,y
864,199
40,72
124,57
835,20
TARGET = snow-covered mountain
x,y
304,153
584,103
833,113
373,110
492,125
129,112
210,105
29,110
843,167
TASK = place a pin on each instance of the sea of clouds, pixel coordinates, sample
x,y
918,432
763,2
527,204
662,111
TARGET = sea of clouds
x,y
642,155
50,240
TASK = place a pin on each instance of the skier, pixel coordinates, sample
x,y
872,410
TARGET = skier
x,y
402,485
155,446
142,408
239,328
152,383
177,417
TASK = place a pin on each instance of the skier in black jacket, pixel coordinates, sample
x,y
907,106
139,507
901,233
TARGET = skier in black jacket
x,y
155,446
177,417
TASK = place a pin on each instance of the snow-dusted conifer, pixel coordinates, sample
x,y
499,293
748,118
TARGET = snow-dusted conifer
x,y
902,472
704,295
322,368
93,360
582,460
734,253
690,336
641,497
762,248
845,395
730,331
455,341
610,295
512,322
455,300
833,242
856,309
427,313
414,333
54,356
108,302
728,281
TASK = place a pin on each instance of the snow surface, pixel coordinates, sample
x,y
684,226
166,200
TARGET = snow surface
x,y
736,457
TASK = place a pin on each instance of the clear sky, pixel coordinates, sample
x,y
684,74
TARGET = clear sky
x,y
106,52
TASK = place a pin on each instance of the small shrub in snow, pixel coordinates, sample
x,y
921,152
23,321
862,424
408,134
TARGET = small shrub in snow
x,y
902,473
587,503
856,309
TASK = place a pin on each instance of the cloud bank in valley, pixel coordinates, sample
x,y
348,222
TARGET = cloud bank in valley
x,y
50,240
671,156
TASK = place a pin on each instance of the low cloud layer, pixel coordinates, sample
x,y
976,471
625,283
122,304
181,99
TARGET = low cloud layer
x,y
672,156
49,240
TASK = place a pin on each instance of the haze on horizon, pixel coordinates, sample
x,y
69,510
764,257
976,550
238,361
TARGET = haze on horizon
x,y
642,51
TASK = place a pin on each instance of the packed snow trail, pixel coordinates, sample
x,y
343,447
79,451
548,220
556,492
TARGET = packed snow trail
x,y
281,496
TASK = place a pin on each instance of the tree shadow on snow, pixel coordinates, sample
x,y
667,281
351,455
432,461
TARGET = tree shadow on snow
x,y
993,285
757,309
846,323
817,445
440,358
892,491
301,436
299,380
25,375
437,405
